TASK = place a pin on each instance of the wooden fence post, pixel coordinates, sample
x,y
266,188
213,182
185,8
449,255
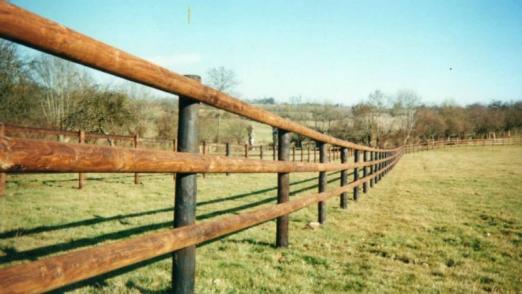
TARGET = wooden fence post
x,y
81,176
136,176
283,188
365,172
355,174
227,152
321,206
302,153
261,152
246,150
3,176
308,152
184,260
371,167
293,153
344,178
273,151
315,153
379,167
204,151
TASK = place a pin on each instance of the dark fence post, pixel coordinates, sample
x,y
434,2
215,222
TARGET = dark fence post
x,y
308,152
184,260
261,152
227,151
136,176
246,150
302,153
81,176
344,177
204,151
355,174
273,151
293,153
371,168
283,188
3,176
365,172
321,206
380,167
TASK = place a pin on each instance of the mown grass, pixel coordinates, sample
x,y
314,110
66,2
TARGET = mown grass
x,y
441,221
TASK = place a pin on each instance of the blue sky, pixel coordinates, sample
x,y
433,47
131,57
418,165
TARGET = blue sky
x,y
335,51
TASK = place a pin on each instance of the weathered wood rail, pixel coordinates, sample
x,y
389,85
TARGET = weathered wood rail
x,y
22,155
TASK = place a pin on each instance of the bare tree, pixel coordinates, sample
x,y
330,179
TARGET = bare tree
x,y
223,80
62,83
405,105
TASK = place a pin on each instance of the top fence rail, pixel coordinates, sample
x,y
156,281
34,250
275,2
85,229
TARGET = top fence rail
x,y
26,28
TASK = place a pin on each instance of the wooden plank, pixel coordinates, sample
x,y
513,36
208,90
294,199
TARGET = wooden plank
x,y
26,155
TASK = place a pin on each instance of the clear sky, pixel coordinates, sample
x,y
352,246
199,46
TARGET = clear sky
x,y
338,51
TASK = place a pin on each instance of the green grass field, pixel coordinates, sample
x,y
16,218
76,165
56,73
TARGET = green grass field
x,y
441,221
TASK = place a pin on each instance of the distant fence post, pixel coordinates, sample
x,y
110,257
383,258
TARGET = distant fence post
x,y
308,152
136,176
227,152
204,151
302,153
365,172
293,153
323,158
355,174
283,188
379,167
371,167
184,260
246,150
344,178
261,152
3,176
273,151
81,176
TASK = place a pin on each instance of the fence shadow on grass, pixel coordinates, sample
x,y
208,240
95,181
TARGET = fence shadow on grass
x,y
32,254
101,219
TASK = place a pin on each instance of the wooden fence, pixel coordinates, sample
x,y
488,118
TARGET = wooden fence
x,y
25,155
449,143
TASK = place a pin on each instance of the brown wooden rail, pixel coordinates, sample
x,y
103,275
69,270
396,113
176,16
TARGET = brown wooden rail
x,y
25,155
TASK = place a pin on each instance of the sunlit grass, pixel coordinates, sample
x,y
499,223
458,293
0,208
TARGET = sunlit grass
x,y
441,221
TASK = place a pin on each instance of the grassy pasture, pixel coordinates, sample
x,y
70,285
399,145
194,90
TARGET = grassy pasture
x,y
441,221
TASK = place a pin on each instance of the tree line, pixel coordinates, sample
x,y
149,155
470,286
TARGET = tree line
x,y
41,90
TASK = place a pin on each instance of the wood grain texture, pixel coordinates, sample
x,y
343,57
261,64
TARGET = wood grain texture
x,y
26,155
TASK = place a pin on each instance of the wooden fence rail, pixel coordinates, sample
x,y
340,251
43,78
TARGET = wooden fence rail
x,y
23,155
